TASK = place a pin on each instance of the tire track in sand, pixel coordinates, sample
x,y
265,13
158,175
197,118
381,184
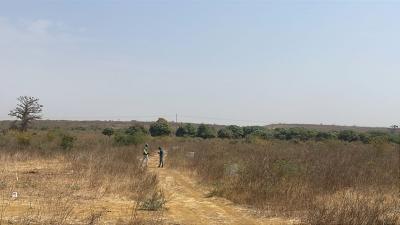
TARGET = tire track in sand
x,y
188,205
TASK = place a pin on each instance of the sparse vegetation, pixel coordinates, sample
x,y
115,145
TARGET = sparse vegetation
x,y
353,208
74,186
290,177
299,173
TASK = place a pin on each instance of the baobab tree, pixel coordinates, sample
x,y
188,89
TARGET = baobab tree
x,y
393,128
28,109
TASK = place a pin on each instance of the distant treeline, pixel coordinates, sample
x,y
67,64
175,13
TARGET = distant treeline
x,y
161,127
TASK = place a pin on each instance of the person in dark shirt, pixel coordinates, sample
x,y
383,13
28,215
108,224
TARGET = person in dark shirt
x,y
161,153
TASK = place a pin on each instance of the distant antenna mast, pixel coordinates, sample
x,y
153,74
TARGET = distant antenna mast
x,y
176,118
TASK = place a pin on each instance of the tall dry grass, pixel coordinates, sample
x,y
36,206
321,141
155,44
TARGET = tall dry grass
x,y
355,207
78,185
290,177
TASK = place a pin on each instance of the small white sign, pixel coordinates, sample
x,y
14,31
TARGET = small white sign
x,y
190,155
14,194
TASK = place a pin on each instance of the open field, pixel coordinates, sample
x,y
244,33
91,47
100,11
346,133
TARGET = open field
x,y
206,181
301,180
171,112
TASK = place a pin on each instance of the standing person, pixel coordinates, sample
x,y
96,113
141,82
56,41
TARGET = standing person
x,y
161,153
145,155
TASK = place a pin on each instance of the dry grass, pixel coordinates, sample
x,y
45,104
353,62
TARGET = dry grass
x,y
98,183
355,208
290,177
94,183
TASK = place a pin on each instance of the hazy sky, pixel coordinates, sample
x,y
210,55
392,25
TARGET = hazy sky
x,y
227,62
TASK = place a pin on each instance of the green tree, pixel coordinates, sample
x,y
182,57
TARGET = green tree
x,y
137,129
365,138
254,130
123,138
180,132
205,131
108,132
188,130
225,133
160,128
348,135
67,141
321,136
237,132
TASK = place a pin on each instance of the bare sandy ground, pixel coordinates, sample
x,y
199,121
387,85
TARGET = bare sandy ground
x,y
48,189
188,203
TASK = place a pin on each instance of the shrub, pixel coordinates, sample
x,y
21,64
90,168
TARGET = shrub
x,y
225,133
155,202
296,133
122,138
160,128
254,130
180,132
365,138
188,130
205,131
51,135
348,135
395,138
237,132
23,138
67,142
137,129
321,136
108,132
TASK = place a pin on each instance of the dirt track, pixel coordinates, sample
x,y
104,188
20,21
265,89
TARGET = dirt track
x,y
188,205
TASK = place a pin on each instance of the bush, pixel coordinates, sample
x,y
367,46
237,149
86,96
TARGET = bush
x,y
188,130
180,132
67,142
296,133
51,135
348,135
108,132
365,138
237,132
155,202
254,130
23,138
205,131
122,138
321,136
137,129
395,138
160,128
225,133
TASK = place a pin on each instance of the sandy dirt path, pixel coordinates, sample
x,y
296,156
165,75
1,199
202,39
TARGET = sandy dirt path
x,y
188,203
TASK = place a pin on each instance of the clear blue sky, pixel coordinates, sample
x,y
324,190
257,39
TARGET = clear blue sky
x,y
227,62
